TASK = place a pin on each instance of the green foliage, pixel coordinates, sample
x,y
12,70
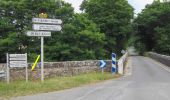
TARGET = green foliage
x,y
79,39
162,39
113,17
153,27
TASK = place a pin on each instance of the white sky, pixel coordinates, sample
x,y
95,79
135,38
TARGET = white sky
x,y
137,4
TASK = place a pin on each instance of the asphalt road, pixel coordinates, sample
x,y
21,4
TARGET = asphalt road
x,y
148,81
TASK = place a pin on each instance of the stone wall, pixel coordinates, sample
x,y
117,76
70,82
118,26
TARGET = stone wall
x,y
161,58
52,69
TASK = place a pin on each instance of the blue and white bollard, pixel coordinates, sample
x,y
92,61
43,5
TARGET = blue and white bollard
x,y
113,63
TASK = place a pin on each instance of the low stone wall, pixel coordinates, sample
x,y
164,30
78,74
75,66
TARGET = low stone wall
x,y
52,69
161,58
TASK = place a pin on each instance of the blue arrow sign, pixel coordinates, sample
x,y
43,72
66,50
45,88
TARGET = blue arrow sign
x,y
102,64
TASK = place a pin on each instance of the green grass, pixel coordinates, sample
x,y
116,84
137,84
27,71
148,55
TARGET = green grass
x,y
20,88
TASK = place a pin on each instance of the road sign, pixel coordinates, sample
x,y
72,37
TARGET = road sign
x,y
17,55
102,64
2,74
123,51
113,62
43,24
43,27
38,33
17,60
18,65
47,21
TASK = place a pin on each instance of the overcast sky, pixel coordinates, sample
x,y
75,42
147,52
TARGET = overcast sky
x,y
137,4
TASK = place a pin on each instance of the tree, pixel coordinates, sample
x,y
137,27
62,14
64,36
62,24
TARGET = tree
x,y
113,17
79,39
153,27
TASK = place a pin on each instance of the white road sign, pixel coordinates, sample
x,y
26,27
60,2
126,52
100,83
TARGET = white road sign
x,y
47,21
18,65
43,27
38,33
18,60
17,56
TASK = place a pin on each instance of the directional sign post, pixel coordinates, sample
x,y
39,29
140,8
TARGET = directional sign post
x,y
102,65
42,58
38,33
16,60
47,21
7,69
41,28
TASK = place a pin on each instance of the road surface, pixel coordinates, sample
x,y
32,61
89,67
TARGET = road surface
x,y
149,81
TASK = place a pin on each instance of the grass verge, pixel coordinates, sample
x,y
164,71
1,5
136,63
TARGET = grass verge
x,y
20,88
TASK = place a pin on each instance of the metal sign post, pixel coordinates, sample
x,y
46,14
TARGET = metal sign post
x,y
26,69
7,69
42,59
102,65
102,70
41,28
16,60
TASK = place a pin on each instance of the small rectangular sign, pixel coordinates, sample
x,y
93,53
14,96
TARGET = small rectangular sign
x,y
2,75
18,65
17,59
17,55
17,62
46,21
43,27
38,33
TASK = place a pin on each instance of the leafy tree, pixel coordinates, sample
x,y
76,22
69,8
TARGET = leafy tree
x,y
153,27
113,17
79,39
